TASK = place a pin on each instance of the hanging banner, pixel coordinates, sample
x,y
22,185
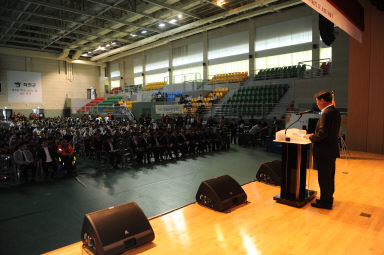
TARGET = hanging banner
x,y
24,87
112,109
170,109
346,14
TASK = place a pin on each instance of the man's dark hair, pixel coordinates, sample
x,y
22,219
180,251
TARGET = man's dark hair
x,y
324,95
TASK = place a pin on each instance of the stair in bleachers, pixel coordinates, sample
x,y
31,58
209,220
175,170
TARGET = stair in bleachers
x,y
206,102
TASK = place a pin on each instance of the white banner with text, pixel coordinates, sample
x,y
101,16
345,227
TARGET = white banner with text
x,y
24,87
170,109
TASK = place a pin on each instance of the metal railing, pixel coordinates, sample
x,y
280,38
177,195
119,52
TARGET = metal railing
x,y
316,68
304,69
247,110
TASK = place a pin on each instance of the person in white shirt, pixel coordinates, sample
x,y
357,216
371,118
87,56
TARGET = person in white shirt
x,y
48,159
200,99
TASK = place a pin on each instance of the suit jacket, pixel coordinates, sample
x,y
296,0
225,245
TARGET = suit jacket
x,y
107,147
326,134
19,158
43,157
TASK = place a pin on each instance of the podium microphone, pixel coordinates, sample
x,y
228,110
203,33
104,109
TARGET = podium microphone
x,y
301,115
304,112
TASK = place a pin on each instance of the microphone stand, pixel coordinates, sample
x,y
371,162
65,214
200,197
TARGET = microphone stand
x,y
287,138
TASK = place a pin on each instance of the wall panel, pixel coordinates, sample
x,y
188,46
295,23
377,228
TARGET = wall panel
x,y
365,107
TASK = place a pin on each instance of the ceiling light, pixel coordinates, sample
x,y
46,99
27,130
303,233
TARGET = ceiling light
x,y
133,35
144,31
113,43
102,48
89,52
84,54
180,16
161,25
107,45
173,21
220,2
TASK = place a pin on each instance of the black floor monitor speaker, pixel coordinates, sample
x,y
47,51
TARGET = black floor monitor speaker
x,y
220,193
270,172
116,229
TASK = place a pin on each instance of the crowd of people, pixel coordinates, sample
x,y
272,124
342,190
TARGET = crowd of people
x,y
53,143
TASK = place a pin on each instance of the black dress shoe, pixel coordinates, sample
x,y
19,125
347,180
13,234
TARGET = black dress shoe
x,y
321,205
319,201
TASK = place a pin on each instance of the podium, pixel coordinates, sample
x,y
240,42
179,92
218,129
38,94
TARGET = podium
x,y
296,158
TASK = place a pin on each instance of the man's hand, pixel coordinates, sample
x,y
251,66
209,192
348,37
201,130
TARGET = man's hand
x,y
308,136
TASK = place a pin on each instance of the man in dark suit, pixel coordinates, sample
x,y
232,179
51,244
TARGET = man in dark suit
x,y
326,149
113,154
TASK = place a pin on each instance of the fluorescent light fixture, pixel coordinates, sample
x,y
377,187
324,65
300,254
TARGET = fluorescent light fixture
x,y
84,54
89,52
144,31
102,48
161,25
173,21
180,16
133,35
107,45
113,43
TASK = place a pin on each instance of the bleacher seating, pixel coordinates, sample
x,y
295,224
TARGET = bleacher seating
x,y
94,102
281,72
127,104
228,78
154,86
172,95
115,90
110,101
206,101
253,100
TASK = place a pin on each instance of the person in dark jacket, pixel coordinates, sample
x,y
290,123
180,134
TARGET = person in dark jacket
x,y
48,159
326,149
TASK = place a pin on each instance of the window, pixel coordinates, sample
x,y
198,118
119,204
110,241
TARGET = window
x,y
188,74
283,34
229,45
157,61
157,77
326,53
289,59
138,65
187,54
138,80
115,84
115,70
231,67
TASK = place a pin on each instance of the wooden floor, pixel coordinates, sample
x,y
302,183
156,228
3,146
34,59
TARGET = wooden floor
x,y
266,227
